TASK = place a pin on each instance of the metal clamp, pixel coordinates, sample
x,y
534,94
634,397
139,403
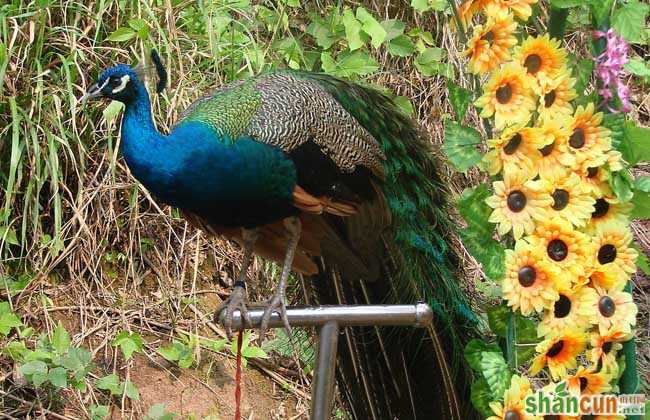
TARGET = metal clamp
x,y
330,319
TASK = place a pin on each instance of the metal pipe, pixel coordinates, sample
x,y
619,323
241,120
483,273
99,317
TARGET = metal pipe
x,y
419,315
322,391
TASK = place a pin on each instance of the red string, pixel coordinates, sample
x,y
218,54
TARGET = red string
x,y
238,377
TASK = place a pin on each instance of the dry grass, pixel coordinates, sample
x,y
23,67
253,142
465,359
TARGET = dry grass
x,y
103,255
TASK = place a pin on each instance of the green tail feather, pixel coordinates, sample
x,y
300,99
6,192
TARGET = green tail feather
x,y
425,265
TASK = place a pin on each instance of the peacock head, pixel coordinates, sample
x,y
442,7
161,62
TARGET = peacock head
x,y
122,83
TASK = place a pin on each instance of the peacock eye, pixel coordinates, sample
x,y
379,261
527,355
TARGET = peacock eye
x,y
114,82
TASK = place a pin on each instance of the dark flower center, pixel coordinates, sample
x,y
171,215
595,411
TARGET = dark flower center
x,y
606,306
606,254
516,201
607,347
489,37
533,63
513,144
557,250
555,349
504,94
577,139
527,276
560,199
562,307
600,208
546,150
511,415
551,417
592,172
549,99
583,384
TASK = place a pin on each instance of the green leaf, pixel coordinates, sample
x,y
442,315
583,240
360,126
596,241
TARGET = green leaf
x,y
600,11
495,371
621,184
8,235
642,261
460,145
420,5
641,202
638,67
131,391
8,321
473,351
352,30
371,27
58,377
583,71
33,367
170,353
481,397
393,28
635,144
60,339
525,336
428,62
498,319
159,412
110,383
487,251
111,112
401,46
616,124
404,104
565,4
472,207
121,35
322,32
128,343
98,412
356,63
628,20
460,98
254,351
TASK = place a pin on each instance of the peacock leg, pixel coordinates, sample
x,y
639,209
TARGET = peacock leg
x,y
276,303
238,299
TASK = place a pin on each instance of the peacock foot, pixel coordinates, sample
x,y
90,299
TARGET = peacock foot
x,y
236,301
275,304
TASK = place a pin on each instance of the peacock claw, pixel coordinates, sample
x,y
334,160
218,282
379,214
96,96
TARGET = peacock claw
x,y
236,301
275,304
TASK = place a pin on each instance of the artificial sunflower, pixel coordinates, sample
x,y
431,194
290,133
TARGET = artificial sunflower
x,y
542,58
604,348
508,96
555,95
514,401
595,175
516,148
517,202
609,209
612,241
588,381
490,43
610,277
530,283
615,310
521,8
559,353
571,199
468,9
588,139
564,246
556,152
571,311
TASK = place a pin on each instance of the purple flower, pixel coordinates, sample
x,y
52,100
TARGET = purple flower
x,y
609,68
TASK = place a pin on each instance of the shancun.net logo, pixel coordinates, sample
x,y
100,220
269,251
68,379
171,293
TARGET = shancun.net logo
x,y
562,402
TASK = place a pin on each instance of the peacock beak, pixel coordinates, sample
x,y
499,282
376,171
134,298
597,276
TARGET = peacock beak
x,y
93,92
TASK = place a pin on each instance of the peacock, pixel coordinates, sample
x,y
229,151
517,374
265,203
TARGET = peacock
x,y
330,179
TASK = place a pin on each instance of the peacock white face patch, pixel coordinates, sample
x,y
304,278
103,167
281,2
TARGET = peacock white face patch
x,y
125,80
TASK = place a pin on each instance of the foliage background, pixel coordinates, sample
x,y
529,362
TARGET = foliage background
x,y
82,243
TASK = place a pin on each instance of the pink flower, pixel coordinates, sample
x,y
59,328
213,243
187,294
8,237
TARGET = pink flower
x,y
609,68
